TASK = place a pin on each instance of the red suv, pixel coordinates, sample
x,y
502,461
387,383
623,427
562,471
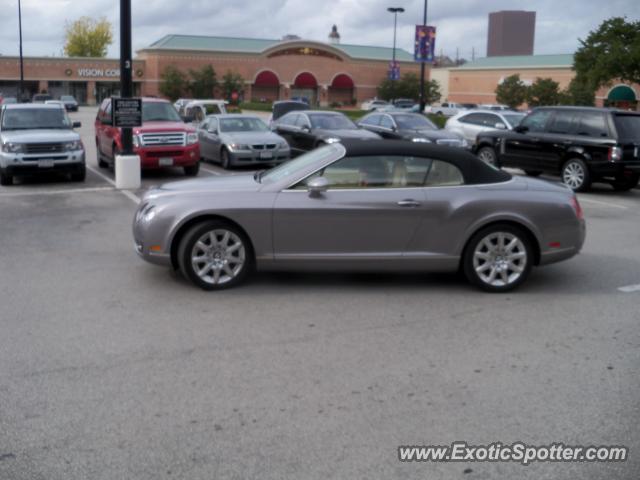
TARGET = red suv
x,y
163,140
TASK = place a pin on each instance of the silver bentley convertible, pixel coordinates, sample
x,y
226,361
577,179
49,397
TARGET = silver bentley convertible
x,y
362,205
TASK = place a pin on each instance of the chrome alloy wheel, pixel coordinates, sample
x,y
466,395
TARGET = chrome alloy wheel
x,y
499,259
573,175
487,155
218,256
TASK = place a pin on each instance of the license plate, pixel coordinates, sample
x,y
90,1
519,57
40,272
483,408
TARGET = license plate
x,y
45,163
165,162
266,154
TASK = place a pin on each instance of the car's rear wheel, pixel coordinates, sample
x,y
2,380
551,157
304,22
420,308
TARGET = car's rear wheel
x,y
575,175
6,179
488,156
533,173
192,170
624,184
498,258
215,255
225,159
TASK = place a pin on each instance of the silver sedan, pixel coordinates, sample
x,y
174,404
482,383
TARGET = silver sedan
x,y
362,206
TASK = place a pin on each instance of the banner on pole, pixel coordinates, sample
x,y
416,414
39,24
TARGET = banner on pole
x,y
425,44
394,70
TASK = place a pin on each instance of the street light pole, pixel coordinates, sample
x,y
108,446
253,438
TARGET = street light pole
x,y
126,83
423,101
395,11
21,87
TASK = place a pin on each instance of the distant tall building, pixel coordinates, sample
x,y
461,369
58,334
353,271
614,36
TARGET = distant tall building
x,y
334,36
511,32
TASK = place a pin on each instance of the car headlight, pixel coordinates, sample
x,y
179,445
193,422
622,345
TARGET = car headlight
x,y
11,147
146,213
192,138
72,146
331,140
420,140
239,146
283,144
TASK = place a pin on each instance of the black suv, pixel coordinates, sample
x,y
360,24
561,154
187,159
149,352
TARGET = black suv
x,y
581,144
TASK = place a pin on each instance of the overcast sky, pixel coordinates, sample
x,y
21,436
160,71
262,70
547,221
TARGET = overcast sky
x,y
460,24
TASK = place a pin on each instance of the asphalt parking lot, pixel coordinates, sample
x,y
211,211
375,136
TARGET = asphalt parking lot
x,y
114,368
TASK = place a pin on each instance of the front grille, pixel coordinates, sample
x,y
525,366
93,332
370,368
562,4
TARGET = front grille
x,y
162,139
44,147
163,153
450,142
270,146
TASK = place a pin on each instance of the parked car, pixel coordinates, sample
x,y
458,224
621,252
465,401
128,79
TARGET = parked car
x,y
70,103
495,107
409,126
196,110
373,104
37,139
41,98
181,102
448,109
580,144
282,107
55,102
469,123
163,140
308,129
375,205
404,103
235,140
8,100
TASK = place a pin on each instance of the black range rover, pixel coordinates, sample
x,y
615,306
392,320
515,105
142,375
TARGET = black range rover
x,y
581,144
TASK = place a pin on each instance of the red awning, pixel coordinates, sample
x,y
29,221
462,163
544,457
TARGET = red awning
x,y
306,80
342,81
267,79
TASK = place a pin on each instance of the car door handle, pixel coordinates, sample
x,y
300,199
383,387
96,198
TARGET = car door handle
x,y
409,203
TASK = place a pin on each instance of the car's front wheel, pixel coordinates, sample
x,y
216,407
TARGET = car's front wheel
x,y
225,159
575,175
488,156
215,255
498,258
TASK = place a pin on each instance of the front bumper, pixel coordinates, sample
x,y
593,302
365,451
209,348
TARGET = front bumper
x,y
257,157
36,164
169,156
150,250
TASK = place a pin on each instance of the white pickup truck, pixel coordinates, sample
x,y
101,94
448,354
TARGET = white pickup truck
x,y
449,109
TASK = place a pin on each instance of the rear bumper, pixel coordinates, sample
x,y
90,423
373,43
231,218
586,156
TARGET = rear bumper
x,y
171,156
615,169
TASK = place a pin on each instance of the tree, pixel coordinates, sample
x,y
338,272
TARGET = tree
x,y
232,82
544,91
578,93
612,52
88,37
409,87
173,83
203,82
512,91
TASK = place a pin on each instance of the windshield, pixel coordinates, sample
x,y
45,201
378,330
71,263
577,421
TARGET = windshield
x,y
300,163
628,126
330,121
159,112
514,119
35,118
414,122
242,124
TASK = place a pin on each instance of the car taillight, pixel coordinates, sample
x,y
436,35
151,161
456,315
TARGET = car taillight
x,y
577,208
615,154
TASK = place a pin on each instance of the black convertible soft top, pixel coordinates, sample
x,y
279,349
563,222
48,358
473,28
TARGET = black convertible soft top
x,y
474,170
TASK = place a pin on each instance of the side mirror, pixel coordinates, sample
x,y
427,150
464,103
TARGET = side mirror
x,y
213,131
500,126
317,186
521,129
76,125
305,128
188,119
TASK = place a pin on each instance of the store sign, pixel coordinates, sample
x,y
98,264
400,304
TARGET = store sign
x,y
99,72
127,112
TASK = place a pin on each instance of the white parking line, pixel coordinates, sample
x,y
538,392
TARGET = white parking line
x,y
630,288
208,170
130,195
56,192
599,202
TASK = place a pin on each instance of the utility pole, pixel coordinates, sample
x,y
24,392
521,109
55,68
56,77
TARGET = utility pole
x,y
126,83
473,54
395,11
423,101
21,87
